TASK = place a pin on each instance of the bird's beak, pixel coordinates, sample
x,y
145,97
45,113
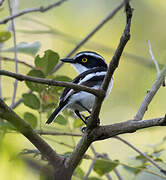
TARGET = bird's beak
x,y
68,60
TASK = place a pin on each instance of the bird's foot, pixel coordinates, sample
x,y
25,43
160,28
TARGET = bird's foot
x,y
88,117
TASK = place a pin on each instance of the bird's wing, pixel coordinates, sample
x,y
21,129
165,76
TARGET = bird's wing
x,y
81,79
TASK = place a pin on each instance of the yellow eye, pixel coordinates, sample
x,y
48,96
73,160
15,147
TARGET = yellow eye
x,y
84,60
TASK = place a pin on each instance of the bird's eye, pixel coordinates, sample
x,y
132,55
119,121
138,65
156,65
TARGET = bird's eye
x,y
84,60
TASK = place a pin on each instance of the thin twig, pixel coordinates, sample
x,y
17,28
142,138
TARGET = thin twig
x,y
19,101
90,169
56,133
59,142
141,170
20,77
153,59
118,174
109,176
13,10
87,37
93,162
31,10
19,61
141,153
150,94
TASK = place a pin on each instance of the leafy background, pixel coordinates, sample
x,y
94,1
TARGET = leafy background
x,y
59,30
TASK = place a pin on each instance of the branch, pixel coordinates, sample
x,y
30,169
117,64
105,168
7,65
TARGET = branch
x,y
141,153
41,132
51,82
92,122
153,59
90,169
87,37
19,61
131,126
13,10
24,128
151,93
31,10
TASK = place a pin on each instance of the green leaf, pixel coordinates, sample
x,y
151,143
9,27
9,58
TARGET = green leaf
x,y
62,78
23,47
35,86
31,100
32,119
4,36
103,166
77,123
134,170
48,62
141,158
158,160
61,120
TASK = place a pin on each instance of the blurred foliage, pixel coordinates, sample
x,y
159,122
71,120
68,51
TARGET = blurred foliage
x,y
56,33
24,47
4,36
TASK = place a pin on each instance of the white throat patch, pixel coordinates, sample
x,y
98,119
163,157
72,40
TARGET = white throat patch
x,y
79,68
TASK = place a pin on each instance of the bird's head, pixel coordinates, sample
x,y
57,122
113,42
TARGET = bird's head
x,y
86,60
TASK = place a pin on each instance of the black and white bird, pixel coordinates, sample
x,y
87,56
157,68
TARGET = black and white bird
x,y
92,69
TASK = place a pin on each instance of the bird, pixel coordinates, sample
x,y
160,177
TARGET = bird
x,y
91,68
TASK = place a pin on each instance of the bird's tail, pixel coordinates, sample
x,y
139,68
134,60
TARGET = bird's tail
x,y
55,114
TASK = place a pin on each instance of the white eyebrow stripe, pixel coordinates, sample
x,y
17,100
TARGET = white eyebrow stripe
x,y
88,54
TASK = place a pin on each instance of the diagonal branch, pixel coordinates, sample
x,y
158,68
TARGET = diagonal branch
x,y
141,153
112,66
31,10
24,128
151,93
52,82
19,61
